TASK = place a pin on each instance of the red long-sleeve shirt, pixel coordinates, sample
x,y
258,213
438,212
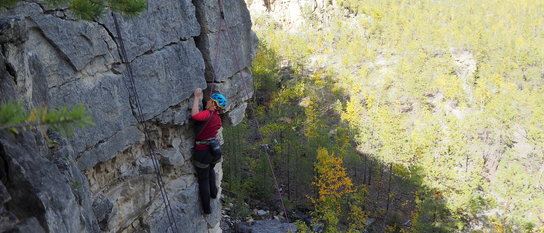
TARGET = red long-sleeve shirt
x,y
210,130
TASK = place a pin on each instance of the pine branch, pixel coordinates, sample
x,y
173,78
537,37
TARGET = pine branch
x,y
5,4
63,120
57,2
129,8
93,9
88,9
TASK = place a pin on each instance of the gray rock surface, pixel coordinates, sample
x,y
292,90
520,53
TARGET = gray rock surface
x,y
78,42
38,189
107,102
27,225
226,55
165,22
102,209
13,30
168,76
102,179
7,81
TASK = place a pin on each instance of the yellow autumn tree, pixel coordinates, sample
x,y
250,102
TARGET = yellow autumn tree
x,y
333,186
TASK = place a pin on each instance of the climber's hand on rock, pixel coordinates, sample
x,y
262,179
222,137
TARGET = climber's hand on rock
x,y
198,93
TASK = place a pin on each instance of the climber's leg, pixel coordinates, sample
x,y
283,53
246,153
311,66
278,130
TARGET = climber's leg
x,y
204,188
213,185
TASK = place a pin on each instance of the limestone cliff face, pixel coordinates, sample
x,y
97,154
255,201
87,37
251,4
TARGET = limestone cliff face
x,y
101,179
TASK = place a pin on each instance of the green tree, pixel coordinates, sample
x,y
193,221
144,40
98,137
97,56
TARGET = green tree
x,y
14,118
333,186
92,9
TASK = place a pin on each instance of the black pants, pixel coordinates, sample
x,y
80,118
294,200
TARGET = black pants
x,y
207,186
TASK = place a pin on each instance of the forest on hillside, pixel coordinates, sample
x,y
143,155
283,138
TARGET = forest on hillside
x,y
397,116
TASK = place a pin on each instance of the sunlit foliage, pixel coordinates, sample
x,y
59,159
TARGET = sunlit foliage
x,y
337,198
450,90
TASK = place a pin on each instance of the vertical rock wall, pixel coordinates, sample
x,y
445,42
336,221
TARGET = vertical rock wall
x,y
101,179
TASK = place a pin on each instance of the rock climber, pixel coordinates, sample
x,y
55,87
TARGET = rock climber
x,y
206,151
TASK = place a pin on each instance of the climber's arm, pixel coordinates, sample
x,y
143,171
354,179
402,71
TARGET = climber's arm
x,y
196,102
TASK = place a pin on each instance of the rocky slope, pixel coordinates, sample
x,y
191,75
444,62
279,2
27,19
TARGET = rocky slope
x,y
101,179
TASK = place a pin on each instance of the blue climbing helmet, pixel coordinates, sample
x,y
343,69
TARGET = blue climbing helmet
x,y
219,99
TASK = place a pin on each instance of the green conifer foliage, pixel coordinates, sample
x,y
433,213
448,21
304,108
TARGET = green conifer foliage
x,y
7,3
14,118
129,8
93,9
87,9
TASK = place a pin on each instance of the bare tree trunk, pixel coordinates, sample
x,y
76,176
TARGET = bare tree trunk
x,y
381,171
540,172
389,188
355,168
237,156
297,158
370,173
267,4
466,164
289,170
364,170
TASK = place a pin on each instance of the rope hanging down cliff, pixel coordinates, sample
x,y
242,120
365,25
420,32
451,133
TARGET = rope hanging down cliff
x,y
261,138
135,101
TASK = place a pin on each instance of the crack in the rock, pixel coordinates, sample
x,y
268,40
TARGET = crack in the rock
x,y
108,31
81,71
53,12
4,172
151,51
228,28
64,83
100,142
11,70
215,82
147,52
112,36
61,53
56,46
37,3
155,118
